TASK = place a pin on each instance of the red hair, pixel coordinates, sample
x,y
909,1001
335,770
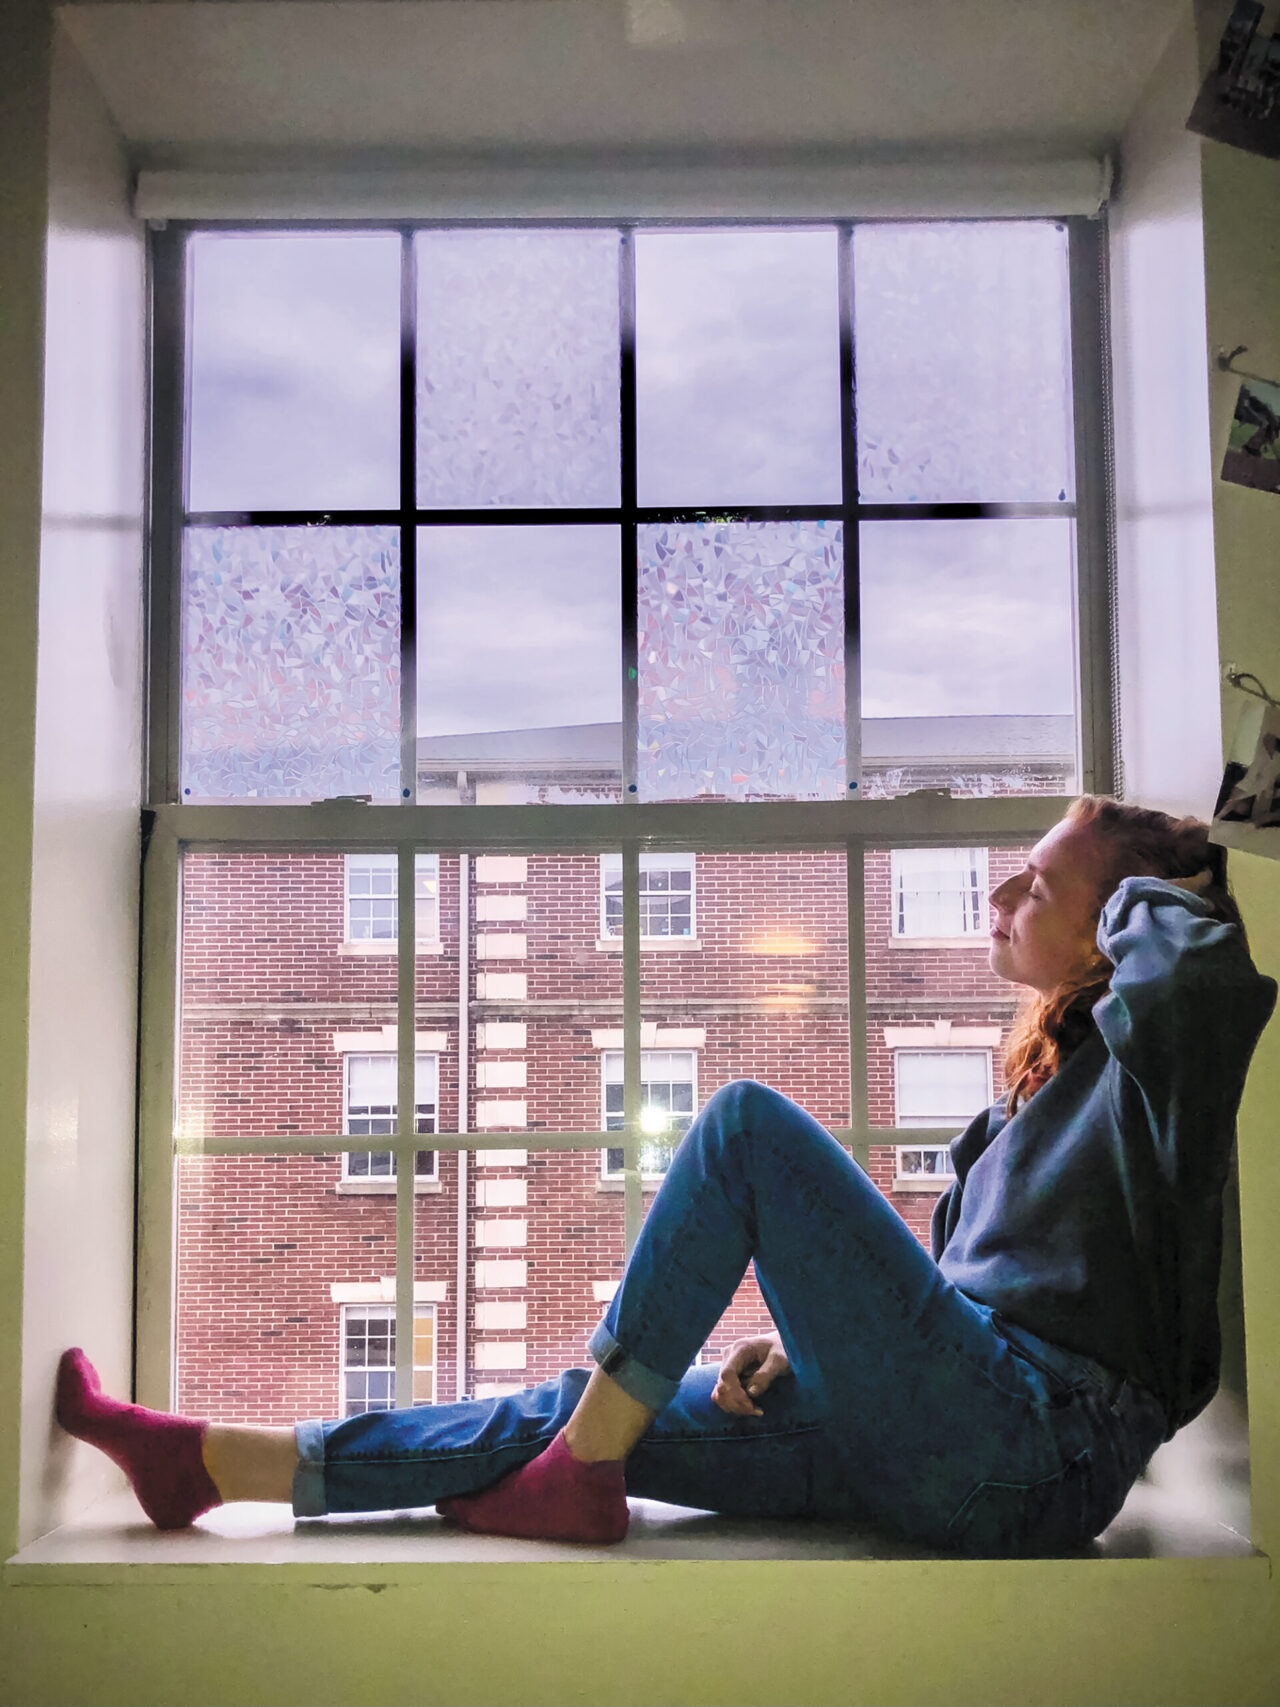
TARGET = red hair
x,y
1134,841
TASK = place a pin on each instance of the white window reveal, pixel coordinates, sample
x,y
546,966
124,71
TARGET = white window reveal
x,y
668,1097
937,1087
666,895
940,892
371,898
369,1357
370,1112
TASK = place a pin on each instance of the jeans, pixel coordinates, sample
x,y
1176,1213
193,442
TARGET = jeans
x,y
908,1404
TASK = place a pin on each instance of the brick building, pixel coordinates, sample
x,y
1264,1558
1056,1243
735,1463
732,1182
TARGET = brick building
x,y
286,1263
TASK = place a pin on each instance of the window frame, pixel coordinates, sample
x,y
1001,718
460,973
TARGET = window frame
x,y
386,1182
425,865
421,1312
917,1124
613,1175
853,824
649,862
897,889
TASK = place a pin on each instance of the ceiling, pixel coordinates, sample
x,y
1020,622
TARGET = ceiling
x,y
216,82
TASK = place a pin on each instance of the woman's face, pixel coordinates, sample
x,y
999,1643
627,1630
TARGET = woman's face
x,y
1044,920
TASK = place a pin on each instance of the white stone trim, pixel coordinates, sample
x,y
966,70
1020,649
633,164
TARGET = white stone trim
x,y
384,1291
942,1034
502,868
502,1034
654,1036
490,909
499,1234
603,1290
502,1075
501,945
498,1313
504,1115
384,1040
502,1193
497,1389
501,1158
499,1354
502,986
499,1272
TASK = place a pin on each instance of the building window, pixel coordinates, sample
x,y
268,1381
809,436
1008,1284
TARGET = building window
x,y
937,1087
370,1112
939,892
369,1357
668,1097
371,898
666,895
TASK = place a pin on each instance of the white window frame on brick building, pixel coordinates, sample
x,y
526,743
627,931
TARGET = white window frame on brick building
x,y
424,1373
369,902
659,897
875,809
657,1069
934,1104
382,1114
939,895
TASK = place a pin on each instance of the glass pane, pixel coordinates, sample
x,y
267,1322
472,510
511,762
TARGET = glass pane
x,y
939,1020
295,371
286,1290
968,657
518,368
546,992
962,340
274,995
290,663
741,649
737,367
519,664
546,1240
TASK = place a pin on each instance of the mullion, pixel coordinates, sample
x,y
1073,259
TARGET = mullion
x,y
650,514
629,542
408,509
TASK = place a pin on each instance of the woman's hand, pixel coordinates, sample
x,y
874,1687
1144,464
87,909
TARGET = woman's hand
x,y
749,1367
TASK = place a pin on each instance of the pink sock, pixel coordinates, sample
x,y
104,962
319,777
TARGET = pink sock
x,y
159,1453
552,1498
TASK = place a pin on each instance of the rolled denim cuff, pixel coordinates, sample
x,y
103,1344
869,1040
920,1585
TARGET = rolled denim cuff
x,y
308,1478
644,1385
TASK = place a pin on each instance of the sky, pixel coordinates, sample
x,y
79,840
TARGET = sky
x,y
962,394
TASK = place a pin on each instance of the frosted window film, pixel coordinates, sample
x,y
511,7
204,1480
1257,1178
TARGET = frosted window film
x,y
961,337
295,371
518,399
741,650
291,663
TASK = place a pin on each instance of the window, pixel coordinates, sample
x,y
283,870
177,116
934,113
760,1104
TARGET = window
x,y
937,1087
371,898
369,1357
940,892
525,545
666,895
668,1097
370,1111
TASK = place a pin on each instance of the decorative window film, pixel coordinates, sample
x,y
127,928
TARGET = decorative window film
x,y
290,663
369,1357
939,892
666,894
668,1098
370,1111
371,898
741,648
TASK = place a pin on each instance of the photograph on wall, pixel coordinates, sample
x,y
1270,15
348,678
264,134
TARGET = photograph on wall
x,y
1253,447
1248,802
1239,100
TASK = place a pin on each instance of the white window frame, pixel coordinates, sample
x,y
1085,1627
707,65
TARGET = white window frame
x,y
421,1312
426,901
608,1059
855,824
611,867
971,894
424,1059
923,1123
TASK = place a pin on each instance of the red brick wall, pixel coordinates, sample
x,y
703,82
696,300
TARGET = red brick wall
x,y
264,987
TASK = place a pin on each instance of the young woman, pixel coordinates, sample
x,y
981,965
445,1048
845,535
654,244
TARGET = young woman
x,y
999,1396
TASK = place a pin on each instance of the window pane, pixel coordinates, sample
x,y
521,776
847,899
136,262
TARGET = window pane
x,y
940,892
941,1087
741,649
519,665
968,657
286,1290
290,663
962,334
295,371
518,376
737,367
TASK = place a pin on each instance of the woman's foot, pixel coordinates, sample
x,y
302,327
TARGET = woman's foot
x,y
160,1454
552,1498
